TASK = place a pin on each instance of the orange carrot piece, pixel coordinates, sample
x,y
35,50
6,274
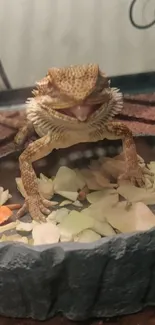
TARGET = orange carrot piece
x,y
5,213
15,206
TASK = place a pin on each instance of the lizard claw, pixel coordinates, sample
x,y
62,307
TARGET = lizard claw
x,y
37,207
138,176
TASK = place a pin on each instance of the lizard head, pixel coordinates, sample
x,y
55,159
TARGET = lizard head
x,y
75,91
76,82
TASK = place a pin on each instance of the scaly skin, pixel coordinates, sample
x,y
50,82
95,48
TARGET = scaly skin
x,y
24,129
7,121
70,91
24,132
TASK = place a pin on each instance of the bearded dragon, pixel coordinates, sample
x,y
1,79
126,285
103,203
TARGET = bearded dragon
x,y
72,105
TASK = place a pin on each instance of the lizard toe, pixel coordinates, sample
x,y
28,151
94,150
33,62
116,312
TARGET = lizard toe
x,y
22,211
147,171
44,210
37,208
47,204
39,217
140,181
135,176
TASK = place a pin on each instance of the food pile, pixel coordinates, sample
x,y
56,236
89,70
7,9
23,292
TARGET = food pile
x,y
87,205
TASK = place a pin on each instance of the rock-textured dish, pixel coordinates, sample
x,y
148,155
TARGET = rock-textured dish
x,y
113,276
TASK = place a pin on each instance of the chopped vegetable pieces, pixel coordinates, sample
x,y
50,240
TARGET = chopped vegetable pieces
x,y
4,195
5,213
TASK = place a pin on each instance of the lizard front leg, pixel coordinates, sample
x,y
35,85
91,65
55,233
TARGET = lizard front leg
x,y
38,149
133,171
8,121
23,133
24,130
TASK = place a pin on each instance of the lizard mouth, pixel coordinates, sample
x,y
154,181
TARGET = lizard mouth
x,y
81,113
